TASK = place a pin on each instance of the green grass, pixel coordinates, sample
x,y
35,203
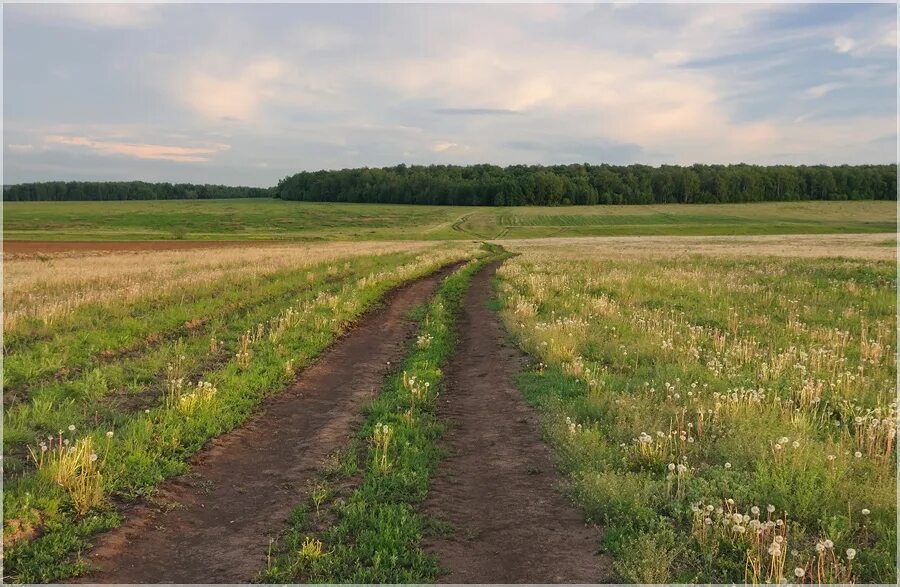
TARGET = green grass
x,y
374,533
715,361
271,219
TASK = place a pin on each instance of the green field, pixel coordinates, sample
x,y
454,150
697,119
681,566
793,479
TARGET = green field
x,y
705,409
270,219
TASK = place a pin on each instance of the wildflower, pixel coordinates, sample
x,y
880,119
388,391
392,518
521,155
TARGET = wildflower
x,y
777,447
775,549
727,465
770,508
737,529
783,440
820,547
829,543
754,510
851,554
93,457
866,511
779,539
795,444
798,572
779,522
707,521
857,454
681,468
671,466
109,434
831,458
738,518
71,427
729,501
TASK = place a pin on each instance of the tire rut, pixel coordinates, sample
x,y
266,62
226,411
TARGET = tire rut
x,y
213,524
499,487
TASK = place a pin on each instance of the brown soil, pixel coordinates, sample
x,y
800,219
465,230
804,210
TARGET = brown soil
x,y
47,247
499,487
213,525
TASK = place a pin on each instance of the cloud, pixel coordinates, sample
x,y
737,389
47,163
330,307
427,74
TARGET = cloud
x,y
235,97
91,15
17,148
475,111
844,44
140,150
442,147
821,90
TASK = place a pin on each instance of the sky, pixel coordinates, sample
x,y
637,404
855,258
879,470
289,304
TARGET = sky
x,y
248,94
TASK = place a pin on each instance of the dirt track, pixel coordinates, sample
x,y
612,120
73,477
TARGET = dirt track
x,y
499,487
242,487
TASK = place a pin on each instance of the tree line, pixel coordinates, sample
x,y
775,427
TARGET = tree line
x,y
517,185
66,191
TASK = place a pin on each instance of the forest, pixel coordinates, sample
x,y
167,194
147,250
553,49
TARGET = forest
x,y
68,191
516,185
583,184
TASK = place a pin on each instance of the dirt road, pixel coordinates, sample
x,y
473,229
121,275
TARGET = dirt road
x,y
499,487
216,521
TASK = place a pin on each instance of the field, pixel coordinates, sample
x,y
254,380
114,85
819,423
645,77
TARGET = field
x,y
722,417
276,220
401,402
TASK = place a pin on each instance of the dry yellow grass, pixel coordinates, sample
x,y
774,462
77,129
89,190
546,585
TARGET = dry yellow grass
x,y
50,286
857,246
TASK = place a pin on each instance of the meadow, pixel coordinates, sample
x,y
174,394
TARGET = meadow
x,y
271,219
724,417
721,404
119,367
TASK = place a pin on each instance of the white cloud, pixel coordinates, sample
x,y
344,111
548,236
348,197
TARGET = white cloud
x,y
139,150
20,148
237,96
844,44
93,15
821,90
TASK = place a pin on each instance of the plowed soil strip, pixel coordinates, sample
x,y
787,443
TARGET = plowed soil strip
x,y
213,524
499,487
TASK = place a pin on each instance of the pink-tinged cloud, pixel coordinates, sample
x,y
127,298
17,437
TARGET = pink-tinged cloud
x,y
141,150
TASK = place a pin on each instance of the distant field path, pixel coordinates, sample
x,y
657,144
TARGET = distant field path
x,y
499,487
213,524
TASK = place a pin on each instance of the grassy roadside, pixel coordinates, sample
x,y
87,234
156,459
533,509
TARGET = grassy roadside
x,y
371,531
51,513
